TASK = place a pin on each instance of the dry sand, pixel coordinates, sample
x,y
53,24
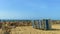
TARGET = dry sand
x,y
30,30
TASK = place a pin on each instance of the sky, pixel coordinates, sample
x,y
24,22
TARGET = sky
x,y
30,9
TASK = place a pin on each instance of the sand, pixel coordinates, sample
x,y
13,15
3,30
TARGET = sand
x,y
30,30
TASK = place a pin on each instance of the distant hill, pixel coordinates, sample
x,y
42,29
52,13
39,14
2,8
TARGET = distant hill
x,y
55,21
